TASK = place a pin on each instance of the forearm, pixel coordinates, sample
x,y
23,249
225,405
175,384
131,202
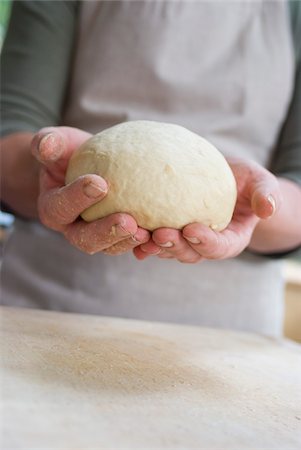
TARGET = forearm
x,y
282,231
35,69
19,174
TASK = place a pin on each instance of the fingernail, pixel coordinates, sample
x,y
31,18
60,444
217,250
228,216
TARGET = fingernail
x,y
166,244
193,240
135,239
93,190
157,252
37,144
271,200
45,139
50,147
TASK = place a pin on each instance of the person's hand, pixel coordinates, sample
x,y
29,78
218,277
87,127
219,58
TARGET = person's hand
x,y
258,198
60,206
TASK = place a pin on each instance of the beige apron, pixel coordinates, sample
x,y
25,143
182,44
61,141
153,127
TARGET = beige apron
x,y
225,71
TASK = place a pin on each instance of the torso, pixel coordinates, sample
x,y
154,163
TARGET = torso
x,y
223,72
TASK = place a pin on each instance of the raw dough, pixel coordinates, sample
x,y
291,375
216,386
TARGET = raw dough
x,y
162,174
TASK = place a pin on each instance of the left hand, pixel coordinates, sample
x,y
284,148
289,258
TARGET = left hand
x,y
258,197
60,205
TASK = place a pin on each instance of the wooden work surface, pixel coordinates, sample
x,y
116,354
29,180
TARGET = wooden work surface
x,y
84,382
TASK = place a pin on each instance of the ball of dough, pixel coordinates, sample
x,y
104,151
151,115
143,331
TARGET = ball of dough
x,y
162,174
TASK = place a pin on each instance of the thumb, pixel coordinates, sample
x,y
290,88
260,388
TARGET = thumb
x,y
265,194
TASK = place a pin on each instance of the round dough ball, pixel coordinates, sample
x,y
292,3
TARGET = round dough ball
x,y
162,174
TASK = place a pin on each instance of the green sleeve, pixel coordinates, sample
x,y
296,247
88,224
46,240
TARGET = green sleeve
x,y
287,157
35,64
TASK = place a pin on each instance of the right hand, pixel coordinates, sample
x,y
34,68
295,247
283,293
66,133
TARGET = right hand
x,y
60,206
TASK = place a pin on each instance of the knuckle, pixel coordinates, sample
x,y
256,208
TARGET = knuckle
x,y
85,247
65,205
109,234
53,209
212,248
116,219
92,238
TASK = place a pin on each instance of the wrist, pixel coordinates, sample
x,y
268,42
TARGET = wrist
x,y
19,175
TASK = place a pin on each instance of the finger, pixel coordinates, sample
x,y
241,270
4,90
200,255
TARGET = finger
x,y
264,204
63,205
140,254
218,245
128,244
141,236
264,192
101,234
163,241
53,146
150,248
174,244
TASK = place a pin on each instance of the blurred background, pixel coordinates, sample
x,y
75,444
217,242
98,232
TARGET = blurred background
x,y
292,266
6,220
4,16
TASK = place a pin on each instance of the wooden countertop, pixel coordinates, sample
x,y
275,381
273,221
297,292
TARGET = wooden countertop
x,y
85,382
